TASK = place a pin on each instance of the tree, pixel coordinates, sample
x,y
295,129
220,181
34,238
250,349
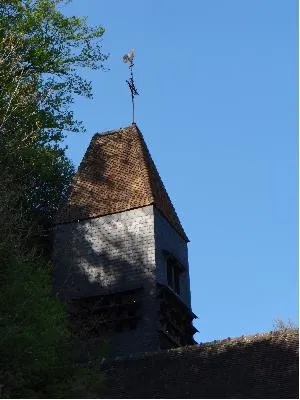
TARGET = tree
x,y
42,53
283,326
36,346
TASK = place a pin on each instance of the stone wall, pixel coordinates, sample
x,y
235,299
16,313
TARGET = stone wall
x,y
259,366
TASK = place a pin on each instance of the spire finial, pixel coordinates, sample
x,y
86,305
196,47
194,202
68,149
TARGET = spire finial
x,y
128,58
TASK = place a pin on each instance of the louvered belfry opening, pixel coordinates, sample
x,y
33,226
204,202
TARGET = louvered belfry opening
x,y
176,320
99,315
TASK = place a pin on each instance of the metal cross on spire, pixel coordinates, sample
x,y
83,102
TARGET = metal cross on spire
x,y
128,58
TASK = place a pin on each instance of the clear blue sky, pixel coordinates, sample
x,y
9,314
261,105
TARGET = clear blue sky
x,y
218,107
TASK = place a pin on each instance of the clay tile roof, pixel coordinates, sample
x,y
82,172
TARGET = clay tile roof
x,y
117,174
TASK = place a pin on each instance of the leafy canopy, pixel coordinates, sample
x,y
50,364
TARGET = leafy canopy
x,y
42,53
37,349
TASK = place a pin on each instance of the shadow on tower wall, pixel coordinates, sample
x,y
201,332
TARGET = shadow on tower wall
x,y
104,269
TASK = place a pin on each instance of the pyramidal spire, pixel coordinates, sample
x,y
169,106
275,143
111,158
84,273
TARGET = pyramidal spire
x,y
117,174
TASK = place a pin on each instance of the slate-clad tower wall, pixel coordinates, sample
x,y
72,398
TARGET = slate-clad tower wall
x,y
120,252
107,255
168,240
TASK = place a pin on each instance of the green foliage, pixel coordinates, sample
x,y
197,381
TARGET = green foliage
x,y
35,342
33,182
42,53
32,328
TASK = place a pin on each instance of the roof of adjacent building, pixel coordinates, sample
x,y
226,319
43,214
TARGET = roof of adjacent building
x,y
256,366
117,174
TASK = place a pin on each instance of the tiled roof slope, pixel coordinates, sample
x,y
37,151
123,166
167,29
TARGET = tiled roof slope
x,y
258,366
116,174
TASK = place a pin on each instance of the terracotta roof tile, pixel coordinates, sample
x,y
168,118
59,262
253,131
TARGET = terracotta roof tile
x,y
263,366
117,174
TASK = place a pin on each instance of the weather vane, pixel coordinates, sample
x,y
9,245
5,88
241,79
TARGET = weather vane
x,y
128,58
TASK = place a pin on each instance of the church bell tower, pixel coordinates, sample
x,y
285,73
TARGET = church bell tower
x,y
120,251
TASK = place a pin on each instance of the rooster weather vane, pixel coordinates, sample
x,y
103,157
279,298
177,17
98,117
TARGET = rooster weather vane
x,y
128,58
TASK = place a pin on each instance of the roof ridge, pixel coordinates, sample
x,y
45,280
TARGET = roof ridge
x,y
161,183
113,131
142,145
214,345
155,190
